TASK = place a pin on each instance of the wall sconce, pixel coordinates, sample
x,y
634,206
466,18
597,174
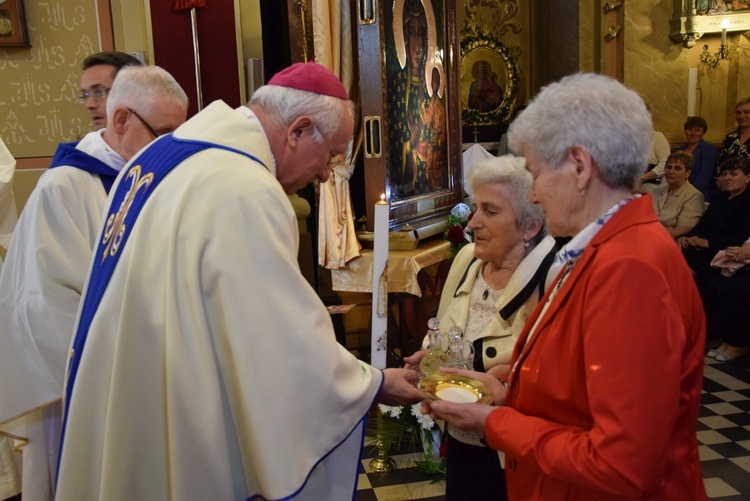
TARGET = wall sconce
x,y
726,52
612,32
612,5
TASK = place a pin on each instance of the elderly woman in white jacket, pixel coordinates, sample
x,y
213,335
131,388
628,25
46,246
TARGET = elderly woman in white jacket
x,y
493,286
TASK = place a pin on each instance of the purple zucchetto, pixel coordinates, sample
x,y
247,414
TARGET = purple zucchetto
x,y
312,77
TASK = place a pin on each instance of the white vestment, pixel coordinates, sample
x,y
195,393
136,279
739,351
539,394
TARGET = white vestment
x,y
40,289
10,478
8,213
211,369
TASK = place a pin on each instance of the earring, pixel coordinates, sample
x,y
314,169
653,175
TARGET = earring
x,y
525,244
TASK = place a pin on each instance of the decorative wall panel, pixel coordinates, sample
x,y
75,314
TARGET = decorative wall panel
x,y
39,84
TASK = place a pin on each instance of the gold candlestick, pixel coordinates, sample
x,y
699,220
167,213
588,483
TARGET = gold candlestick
x,y
381,463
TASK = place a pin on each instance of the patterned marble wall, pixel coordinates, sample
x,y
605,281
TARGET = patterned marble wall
x,y
586,29
658,69
38,85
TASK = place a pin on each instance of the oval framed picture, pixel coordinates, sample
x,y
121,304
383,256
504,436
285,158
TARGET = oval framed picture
x,y
489,81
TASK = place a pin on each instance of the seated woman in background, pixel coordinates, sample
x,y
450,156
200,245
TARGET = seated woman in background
x,y
493,286
727,305
737,143
704,156
657,159
725,223
678,205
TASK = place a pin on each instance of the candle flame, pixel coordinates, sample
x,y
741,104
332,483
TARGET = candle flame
x,y
382,197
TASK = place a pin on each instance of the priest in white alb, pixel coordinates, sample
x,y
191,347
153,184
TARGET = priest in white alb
x,y
48,259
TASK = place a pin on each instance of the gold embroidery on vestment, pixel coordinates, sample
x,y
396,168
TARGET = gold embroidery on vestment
x,y
114,230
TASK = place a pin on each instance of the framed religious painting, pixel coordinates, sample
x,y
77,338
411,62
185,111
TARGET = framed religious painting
x,y
13,30
410,108
489,81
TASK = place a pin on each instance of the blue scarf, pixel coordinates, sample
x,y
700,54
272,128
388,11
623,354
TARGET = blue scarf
x,y
67,154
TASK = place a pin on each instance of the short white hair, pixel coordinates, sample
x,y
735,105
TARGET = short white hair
x,y
284,105
595,112
510,171
144,87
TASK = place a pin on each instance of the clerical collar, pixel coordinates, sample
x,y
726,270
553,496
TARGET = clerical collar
x,y
94,144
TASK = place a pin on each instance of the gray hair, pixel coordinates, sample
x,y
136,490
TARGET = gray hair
x,y
284,105
594,112
144,87
511,172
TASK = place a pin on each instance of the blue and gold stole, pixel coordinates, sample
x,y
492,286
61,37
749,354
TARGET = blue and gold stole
x,y
138,183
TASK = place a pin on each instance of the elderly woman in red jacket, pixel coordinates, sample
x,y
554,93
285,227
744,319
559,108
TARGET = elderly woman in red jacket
x,y
603,395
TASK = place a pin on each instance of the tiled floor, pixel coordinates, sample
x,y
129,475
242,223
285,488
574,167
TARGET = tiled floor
x,y
405,482
723,438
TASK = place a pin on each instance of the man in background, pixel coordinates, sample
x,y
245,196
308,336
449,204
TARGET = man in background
x,y
204,365
99,72
49,255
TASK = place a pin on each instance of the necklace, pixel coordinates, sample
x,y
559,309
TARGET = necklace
x,y
487,286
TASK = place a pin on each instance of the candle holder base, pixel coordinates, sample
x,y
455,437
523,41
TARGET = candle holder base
x,y
382,463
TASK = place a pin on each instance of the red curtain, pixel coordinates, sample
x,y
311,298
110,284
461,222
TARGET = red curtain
x,y
173,49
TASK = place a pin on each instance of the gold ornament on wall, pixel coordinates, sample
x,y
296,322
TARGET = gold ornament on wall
x,y
489,73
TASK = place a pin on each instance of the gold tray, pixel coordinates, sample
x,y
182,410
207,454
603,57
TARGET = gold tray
x,y
455,388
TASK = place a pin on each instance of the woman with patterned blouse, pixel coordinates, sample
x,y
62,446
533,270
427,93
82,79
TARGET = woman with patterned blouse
x,y
737,143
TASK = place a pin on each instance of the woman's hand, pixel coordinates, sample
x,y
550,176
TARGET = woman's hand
x,y
697,242
496,386
412,362
469,417
735,254
500,371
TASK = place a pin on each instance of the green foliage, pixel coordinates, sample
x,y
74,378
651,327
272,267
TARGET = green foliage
x,y
393,431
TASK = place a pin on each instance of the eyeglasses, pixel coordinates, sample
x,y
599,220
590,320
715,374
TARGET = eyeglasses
x,y
150,129
97,93
334,159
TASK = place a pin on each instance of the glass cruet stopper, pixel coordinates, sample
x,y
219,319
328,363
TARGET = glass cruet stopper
x,y
460,352
435,357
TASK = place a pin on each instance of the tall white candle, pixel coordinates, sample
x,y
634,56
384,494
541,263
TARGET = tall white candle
x,y
379,334
692,85
723,36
